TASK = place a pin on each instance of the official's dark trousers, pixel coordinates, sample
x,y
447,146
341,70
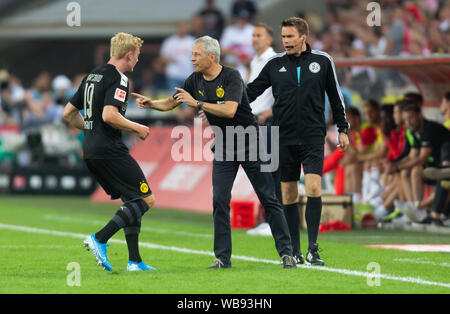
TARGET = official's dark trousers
x,y
224,173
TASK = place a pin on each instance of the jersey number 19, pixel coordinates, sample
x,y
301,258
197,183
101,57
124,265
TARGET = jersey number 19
x,y
88,95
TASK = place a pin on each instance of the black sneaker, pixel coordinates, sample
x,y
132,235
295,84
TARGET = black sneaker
x,y
219,264
312,257
288,261
432,221
299,259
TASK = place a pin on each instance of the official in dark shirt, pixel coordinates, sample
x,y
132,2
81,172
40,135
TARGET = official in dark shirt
x,y
219,91
103,97
299,78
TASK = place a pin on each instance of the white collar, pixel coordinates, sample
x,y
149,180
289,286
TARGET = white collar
x,y
266,54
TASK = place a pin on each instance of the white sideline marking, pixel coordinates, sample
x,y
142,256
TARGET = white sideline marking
x,y
445,248
244,258
102,223
420,261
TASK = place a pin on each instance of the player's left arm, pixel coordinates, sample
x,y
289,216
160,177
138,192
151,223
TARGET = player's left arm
x,y
337,104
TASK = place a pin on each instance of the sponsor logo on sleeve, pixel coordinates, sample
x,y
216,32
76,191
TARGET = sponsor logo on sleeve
x,y
124,81
120,94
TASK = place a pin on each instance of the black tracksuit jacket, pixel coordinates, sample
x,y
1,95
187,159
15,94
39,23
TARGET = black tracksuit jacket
x,y
298,86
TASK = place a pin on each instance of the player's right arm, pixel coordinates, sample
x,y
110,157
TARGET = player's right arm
x,y
259,84
72,109
72,116
160,104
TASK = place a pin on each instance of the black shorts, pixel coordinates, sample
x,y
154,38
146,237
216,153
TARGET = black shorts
x,y
292,157
120,178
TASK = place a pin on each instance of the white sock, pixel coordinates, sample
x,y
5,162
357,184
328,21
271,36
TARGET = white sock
x,y
375,189
377,201
356,198
365,184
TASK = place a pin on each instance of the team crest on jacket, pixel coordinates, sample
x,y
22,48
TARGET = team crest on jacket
x,y
220,92
144,187
314,67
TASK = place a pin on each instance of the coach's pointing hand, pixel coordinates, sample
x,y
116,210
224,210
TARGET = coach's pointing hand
x,y
142,101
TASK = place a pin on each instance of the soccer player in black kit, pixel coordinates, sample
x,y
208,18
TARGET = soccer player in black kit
x,y
103,96
299,79
219,91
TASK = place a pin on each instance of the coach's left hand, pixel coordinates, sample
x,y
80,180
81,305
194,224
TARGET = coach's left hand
x,y
344,142
184,96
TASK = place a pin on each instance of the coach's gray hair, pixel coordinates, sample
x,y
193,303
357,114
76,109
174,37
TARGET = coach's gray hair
x,y
210,45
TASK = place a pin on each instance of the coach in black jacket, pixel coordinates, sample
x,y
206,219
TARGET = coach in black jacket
x,y
299,78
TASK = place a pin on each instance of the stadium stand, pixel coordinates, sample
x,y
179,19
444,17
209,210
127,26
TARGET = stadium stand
x,y
409,52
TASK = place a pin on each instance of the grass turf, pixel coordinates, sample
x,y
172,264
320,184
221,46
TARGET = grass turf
x,y
33,262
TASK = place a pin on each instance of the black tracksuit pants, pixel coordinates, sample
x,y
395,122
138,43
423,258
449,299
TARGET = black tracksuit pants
x,y
223,175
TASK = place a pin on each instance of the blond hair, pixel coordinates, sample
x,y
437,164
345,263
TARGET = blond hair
x,y
122,43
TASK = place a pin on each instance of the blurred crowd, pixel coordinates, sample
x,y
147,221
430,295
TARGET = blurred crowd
x,y
398,164
375,166
407,28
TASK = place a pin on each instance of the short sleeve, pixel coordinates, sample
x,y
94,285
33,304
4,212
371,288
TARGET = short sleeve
x,y
428,136
77,98
117,93
234,88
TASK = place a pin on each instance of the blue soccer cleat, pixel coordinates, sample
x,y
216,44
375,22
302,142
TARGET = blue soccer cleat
x,y
133,266
98,250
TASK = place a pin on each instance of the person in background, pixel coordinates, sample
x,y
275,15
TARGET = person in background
x,y
427,138
245,8
176,54
61,86
213,20
40,105
370,135
262,105
236,43
445,109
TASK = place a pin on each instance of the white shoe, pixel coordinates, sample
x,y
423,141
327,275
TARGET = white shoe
x,y
379,212
415,214
262,230
403,220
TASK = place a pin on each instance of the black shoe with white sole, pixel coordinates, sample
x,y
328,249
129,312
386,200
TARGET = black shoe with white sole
x,y
313,257
299,259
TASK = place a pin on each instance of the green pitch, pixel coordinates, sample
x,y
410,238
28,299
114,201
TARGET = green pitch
x,y
41,236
